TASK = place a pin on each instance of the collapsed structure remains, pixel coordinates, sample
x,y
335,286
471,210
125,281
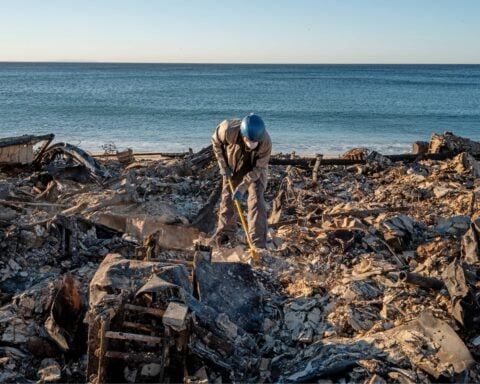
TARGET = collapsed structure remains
x,y
372,271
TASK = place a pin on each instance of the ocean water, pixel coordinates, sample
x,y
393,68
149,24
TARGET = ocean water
x,y
307,108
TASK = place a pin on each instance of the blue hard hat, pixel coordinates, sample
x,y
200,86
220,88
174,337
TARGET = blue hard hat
x,y
252,127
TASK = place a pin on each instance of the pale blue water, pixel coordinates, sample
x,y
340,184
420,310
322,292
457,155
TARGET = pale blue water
x,y
307,108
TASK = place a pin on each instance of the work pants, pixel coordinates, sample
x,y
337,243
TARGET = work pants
x,y
256,214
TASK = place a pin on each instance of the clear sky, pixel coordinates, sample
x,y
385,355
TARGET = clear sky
x,y
241,31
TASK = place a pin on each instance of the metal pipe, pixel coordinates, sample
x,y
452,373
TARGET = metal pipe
x,y
421,281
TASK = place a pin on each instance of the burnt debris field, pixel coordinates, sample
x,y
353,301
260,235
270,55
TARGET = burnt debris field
x,y
371,273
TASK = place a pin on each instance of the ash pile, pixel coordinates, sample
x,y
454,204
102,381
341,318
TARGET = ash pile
x,y
371,273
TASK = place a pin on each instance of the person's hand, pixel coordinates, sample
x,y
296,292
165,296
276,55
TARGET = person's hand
x,y
226,172
239,193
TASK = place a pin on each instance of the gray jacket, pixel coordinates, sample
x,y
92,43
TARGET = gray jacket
x,y
227,150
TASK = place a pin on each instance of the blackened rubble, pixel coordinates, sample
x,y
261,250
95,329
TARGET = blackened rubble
x,y
372,271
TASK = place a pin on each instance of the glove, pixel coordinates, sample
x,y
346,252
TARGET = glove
x,y
239,193
226,172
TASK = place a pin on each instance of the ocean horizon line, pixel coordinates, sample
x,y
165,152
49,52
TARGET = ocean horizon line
x,y
226,63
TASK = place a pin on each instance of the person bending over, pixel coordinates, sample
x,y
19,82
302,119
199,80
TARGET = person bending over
x,y
243,149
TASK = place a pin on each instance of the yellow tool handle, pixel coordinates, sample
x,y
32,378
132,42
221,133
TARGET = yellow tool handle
x,y
244,224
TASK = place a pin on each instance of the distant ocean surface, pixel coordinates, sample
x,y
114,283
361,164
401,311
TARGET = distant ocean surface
x,y
307,108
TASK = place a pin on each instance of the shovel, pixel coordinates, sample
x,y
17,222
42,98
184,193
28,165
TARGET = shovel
x,y
255,257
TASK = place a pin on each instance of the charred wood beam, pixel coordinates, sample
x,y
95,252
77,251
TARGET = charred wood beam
x,y
102,349
48,139
145,154
138,327
145,310
213,341
203,156
137,357
408,157
188,264
316,167
25,140
306,162
77,155
198,348
133,337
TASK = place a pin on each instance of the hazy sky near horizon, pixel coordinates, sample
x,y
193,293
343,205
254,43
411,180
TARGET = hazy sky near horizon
x,y
241,31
